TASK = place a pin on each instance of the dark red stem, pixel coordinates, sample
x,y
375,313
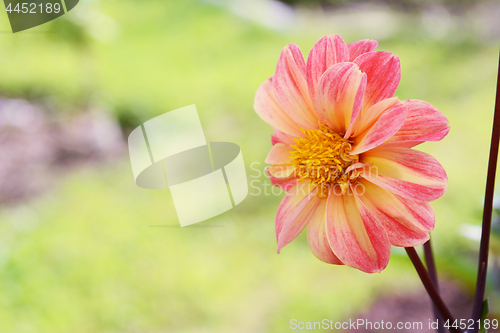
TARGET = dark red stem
x,y
431,290
431,268
487,211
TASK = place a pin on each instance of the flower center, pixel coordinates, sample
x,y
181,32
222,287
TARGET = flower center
x,y
323,157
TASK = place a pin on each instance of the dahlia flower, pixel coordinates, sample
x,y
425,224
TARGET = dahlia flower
x,y
342,150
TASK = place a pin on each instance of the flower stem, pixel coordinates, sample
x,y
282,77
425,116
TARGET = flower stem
x,y
487,210
431,290
431,268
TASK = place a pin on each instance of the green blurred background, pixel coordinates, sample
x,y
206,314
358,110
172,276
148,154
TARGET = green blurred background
x,y
83,249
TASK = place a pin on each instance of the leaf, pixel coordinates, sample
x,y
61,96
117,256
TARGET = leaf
x,y
484,314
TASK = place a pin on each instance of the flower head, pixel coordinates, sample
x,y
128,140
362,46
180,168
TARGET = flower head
x,y
342,149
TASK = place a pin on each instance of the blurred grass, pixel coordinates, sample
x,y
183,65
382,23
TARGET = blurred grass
x,y
90,256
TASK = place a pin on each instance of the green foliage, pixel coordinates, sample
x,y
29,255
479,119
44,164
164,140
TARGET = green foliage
x,y
484,314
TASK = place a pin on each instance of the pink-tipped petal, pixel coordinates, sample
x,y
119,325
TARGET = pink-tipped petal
x,y
281,137
267,107
294,212
316,236
357,238
339,95
281,171
361,46
423,123
290,86
389,122
406,222
367,118
279,154
383,70
401,144
328,51
355,166
284,183
406,172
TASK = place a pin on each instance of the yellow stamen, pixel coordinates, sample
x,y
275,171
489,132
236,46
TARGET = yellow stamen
x,y
322,156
